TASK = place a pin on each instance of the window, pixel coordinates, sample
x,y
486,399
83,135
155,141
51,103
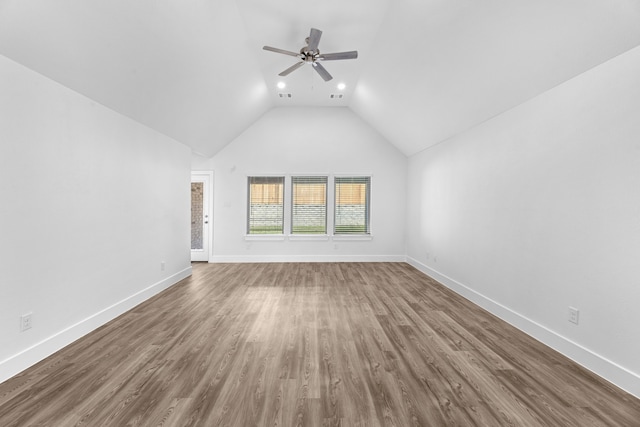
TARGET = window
x,y
309,205
352,205
303,213
266,205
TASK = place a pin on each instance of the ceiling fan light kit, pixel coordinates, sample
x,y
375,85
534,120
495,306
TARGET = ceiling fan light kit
x,y
310,54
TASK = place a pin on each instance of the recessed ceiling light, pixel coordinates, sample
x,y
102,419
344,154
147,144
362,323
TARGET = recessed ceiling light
x,y
341,86
282,85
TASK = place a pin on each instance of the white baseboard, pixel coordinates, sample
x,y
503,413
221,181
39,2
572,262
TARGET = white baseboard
x,y
601,366
37,352
305,258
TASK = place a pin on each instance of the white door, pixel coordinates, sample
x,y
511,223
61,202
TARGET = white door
x,y
201,215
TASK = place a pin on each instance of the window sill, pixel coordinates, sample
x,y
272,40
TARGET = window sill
x,y
308,237
353,237
264,237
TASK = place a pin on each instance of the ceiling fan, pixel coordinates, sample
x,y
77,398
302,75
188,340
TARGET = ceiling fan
x,y
310,54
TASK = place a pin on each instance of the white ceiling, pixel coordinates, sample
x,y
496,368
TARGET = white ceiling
x,y
427,69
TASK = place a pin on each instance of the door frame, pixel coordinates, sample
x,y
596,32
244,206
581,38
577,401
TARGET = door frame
x,y
207,232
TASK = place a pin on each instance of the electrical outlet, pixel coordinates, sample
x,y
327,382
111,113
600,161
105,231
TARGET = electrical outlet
x,y
574,315
26,322
162,266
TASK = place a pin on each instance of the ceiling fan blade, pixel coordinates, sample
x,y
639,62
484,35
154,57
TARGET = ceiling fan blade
x,y
292,68
314,39
353,54
276,50
322,71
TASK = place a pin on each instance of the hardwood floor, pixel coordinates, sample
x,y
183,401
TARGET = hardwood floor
x,y
338,344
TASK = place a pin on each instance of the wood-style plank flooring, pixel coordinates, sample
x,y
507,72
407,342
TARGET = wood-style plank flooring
x,y
310,344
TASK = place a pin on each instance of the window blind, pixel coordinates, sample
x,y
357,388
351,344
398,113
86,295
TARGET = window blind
x,y
352,205
309,205
266,205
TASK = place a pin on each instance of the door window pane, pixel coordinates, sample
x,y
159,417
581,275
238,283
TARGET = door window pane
x,y
197,209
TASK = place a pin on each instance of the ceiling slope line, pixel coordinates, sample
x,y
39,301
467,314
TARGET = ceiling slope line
x,y
531,98
95,101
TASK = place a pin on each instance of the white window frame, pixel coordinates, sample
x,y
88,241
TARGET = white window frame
x,y
288,201
278,236
311,236
354,236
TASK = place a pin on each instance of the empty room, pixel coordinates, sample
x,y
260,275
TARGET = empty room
x,y
297,213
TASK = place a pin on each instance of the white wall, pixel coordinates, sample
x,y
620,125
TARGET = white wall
x,y
288,141
538,209
91,203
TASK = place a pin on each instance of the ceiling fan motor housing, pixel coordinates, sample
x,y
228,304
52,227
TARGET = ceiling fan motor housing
x,y
309,55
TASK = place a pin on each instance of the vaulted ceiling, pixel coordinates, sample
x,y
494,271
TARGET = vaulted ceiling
x,y
427,69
